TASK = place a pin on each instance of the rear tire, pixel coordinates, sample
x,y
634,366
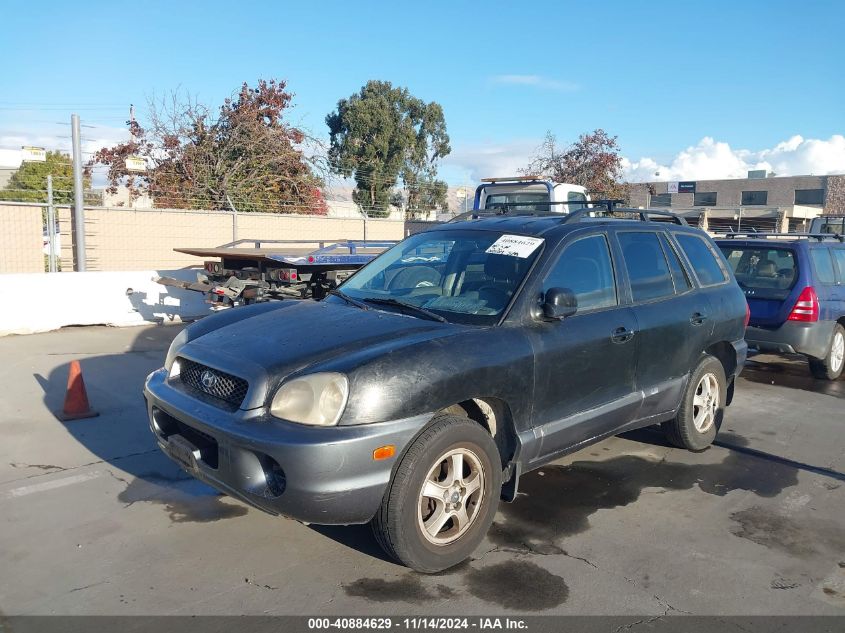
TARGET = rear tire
x,y
830,367
702,408
443,496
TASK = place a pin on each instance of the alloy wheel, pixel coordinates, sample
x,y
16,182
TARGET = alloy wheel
x,y
451,496
705,403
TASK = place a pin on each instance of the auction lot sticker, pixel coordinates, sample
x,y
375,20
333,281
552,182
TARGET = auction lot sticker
x,y
515,245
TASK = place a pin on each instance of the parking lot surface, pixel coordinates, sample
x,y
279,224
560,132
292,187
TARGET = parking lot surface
x,y
95,520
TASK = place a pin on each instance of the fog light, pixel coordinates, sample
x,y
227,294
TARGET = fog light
x,y
273,475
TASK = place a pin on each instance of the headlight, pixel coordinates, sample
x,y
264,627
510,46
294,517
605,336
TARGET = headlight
x,y
318,399
175,347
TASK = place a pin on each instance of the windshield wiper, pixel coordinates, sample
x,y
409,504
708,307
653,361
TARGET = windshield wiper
x,y
348,299
409,306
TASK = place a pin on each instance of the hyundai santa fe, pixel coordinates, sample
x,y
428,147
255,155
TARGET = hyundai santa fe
x,y
417,394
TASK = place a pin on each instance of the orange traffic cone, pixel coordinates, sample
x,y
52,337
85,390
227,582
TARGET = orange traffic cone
x,y
76,399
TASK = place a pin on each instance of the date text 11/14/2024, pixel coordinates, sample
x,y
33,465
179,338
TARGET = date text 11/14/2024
x,y
416,623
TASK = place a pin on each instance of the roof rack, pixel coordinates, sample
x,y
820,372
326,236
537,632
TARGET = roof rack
x,y
597,206
505,206
642,213
527,178
731,235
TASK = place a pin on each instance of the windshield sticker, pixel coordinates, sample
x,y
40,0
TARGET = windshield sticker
x,y
515,246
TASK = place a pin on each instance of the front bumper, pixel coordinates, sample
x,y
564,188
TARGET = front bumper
x,y
793,337
316,475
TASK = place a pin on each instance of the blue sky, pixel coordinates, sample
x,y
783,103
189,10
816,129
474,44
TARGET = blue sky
x,y
660,75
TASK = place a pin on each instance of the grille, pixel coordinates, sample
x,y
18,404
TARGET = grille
x,y
218,384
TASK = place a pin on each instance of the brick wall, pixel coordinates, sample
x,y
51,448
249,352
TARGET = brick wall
x,y
21,240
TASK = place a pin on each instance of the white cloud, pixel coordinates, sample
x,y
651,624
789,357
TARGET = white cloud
x,y
92,140
708,159
535,81
469,163
711,160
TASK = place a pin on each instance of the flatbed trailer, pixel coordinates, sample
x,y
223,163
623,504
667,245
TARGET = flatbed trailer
x,y
250,271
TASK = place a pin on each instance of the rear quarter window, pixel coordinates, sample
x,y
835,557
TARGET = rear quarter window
x,y
839,256
823,264
703,259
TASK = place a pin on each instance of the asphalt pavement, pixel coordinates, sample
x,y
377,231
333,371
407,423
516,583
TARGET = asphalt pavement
x,y
94,520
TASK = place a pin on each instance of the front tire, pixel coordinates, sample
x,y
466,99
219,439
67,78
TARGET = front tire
x,y
702,408
830,367
443,496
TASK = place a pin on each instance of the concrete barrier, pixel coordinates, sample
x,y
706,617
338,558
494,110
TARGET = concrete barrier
x,y
39,302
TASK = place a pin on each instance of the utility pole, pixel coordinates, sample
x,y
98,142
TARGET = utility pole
x,y
234,218
51,227
78,198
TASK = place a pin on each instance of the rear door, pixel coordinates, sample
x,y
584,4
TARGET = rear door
x,y
674,319
768,275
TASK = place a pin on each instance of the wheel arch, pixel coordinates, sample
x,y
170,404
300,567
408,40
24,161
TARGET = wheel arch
x,y
726,355
493,414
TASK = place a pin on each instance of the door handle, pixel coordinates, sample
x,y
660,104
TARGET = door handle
x,y
698,318
621,335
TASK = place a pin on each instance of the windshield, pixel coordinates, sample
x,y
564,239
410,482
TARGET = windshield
x,y
463,276
762,272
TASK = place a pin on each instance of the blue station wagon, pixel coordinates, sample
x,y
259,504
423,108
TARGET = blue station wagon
x,y
795,288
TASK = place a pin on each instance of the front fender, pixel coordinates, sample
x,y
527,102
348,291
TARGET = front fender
x,y
431,375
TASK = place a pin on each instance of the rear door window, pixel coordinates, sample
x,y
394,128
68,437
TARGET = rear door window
x,y
646,264
704,261
823,264
679,275
839,257
762,272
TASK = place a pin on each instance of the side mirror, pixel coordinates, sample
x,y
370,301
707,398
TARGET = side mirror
x,y
559,303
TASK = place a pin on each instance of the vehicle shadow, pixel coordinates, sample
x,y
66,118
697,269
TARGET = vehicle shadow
x,y
359,538
120,436
791,372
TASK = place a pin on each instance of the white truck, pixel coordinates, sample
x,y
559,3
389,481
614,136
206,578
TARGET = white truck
x,y
529,193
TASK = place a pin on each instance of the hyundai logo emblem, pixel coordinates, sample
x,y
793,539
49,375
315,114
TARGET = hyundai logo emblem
x,y
208,379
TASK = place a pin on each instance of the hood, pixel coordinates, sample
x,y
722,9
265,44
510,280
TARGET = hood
x,y
283,341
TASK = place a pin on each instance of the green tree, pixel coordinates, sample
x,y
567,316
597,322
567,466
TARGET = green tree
x,y
381,133
29,182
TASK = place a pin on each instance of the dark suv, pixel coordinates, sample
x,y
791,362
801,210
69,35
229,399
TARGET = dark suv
x,y
795,286
463,357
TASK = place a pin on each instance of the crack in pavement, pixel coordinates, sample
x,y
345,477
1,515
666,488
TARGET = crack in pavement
x,y
121,479
260,586
95,584
61,469
631,625
38,466
528,550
